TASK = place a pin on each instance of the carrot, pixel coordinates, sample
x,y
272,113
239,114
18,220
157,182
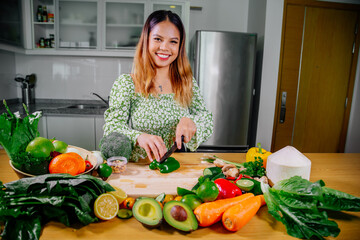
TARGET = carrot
x,y
71,163
262,200
237,216
210,212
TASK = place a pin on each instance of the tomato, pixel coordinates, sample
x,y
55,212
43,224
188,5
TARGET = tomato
x,y
40,147
88,165
60,146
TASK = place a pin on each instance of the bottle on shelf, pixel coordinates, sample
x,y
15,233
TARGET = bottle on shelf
x,y
39,14
44,14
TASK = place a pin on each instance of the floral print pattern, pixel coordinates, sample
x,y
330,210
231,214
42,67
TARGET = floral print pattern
x,y
132,114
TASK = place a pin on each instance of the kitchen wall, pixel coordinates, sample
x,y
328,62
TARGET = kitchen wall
x,y
7,75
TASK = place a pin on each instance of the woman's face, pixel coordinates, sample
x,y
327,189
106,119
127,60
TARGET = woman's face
x,y
164,42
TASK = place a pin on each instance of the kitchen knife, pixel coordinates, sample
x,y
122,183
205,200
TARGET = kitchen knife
x,y
171,151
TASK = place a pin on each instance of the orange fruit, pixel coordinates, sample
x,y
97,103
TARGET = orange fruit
x,y
106,206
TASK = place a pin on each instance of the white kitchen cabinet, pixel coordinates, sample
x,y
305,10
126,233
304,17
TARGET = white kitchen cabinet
x,y
99,131
123,23
78,24
78,131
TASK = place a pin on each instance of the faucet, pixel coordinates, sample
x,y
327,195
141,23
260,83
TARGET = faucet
x,y
106,102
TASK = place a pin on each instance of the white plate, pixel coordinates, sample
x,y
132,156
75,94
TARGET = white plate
x,y
90,157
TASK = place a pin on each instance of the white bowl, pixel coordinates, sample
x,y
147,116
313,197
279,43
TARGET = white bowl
x,y
90,157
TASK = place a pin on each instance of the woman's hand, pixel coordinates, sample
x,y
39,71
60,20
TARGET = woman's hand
x,y
186,128
152,144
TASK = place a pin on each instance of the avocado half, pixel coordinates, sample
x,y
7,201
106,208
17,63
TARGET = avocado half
x,y
180,216
148,212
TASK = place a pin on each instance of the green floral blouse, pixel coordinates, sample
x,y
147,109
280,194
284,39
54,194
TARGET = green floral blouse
x,y
132,114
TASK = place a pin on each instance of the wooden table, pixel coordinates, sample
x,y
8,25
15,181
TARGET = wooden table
x,y
339,171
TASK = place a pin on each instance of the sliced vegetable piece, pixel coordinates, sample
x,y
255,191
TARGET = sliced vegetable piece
x,y
211,171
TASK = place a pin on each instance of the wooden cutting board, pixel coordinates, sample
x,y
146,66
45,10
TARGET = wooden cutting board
x,y
139,180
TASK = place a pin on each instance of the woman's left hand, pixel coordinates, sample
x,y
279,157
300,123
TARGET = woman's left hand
x,y
186,128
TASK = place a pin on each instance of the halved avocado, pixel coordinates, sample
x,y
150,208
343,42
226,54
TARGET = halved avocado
x,y
180,216
148,212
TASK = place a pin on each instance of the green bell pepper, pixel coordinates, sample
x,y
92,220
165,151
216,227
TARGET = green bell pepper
x,y
170,165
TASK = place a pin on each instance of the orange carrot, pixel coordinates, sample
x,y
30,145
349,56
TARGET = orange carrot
x,y
210,212
237,216
71,163
262,200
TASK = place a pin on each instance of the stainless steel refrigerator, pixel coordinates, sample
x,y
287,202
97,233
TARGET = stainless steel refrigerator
x,y
224,66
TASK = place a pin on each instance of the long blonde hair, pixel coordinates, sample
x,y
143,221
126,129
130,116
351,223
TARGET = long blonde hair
x,y
144,69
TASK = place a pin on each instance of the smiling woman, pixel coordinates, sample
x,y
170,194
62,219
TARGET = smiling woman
x,y
160,101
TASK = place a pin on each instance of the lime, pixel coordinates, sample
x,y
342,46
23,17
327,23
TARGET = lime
x,y
119,194
125,213
40,147
191,200
60,146
207,191
106,206
104,170
245,185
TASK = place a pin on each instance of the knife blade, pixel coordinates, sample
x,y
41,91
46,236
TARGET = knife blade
x,y
171,151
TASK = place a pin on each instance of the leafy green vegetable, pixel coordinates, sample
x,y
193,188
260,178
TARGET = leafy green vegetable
x,y
29,203
254,168
16,132
299,204
115,145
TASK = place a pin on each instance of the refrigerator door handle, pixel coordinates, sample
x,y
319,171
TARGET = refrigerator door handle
x,y
283,107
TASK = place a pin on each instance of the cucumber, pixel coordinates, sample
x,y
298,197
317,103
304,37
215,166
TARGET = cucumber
x,y
212,171
245,185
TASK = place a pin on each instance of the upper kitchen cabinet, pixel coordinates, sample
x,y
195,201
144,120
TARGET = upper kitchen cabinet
x,y
93,27
11,23
123,23
43,24
78,26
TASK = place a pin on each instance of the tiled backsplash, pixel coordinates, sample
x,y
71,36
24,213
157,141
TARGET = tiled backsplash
x,y
68,77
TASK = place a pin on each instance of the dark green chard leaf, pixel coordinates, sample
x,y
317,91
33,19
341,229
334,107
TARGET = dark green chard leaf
x,y
60,197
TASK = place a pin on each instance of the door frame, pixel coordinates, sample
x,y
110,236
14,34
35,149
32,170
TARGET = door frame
x,y
332,5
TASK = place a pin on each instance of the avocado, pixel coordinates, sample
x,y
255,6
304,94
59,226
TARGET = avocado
x,y
148,212
180,216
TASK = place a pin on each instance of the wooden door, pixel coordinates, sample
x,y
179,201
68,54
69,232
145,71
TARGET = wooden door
x,y
319,55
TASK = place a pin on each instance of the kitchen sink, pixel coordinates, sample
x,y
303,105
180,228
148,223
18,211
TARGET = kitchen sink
x,y
86,106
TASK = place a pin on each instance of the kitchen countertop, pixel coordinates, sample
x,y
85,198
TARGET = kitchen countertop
x,y
337,170
50,107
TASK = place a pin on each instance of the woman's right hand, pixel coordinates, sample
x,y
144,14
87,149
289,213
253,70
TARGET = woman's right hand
x,y
152,144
